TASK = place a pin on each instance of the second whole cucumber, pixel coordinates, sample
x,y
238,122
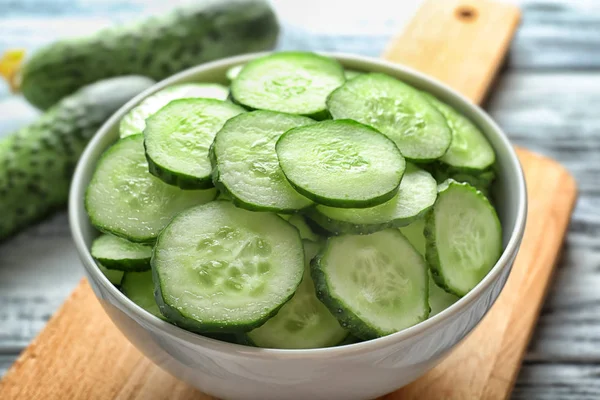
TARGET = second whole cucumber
x,y
157,47
37,161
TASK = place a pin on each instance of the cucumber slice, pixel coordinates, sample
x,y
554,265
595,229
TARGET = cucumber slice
x,y
464,237
482,180
349,339
233,72
235,338
117,253
396,110
224,269
349,73
316,228
341,163
415,235
223,196
177,139
289,82
246,165
127,201
139,288
241,338
303,322
469,149
305,232
374,284
114,276
134,121
416,195
439,299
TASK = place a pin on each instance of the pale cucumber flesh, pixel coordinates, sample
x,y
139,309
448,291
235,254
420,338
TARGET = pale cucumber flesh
x,y
225,269
341,163
117,253
374,284
464,237
469,148
416,195
439,299
246,165
124,199
134,121
139,288
303,322
178,137
289,82
397,110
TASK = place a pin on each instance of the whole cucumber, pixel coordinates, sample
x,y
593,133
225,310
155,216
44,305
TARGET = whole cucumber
x,y
157,47
37,161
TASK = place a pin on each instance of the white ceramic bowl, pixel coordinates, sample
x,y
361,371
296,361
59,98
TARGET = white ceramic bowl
x,y
359,371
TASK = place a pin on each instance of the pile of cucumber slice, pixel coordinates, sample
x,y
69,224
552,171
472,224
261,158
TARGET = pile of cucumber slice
x,y
305,206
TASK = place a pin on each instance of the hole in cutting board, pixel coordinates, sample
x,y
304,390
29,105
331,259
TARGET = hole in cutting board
x,y
466,13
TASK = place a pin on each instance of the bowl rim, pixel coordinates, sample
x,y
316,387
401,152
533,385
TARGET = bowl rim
x,y
76,208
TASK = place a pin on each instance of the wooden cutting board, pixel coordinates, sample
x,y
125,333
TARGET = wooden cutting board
x,y
80,354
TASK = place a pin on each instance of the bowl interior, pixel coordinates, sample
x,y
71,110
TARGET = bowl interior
x,y
509,191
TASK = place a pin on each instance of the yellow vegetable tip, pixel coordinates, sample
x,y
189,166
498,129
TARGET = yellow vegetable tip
x,y
10,67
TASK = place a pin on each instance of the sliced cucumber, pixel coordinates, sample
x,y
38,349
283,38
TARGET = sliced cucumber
x,y
223,196
289,82
178,136
416,195
439,299
233,72
236,338
482,180
134,121
241,338
246,166
305,232
303,322
224,269
469,149
139,288
415,235
341,163
374,284
114,276
349,73
464,237
316,228
124,199
397,110
349,339
117,253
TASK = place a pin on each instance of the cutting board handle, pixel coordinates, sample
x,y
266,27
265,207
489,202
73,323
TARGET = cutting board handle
x,y
460,42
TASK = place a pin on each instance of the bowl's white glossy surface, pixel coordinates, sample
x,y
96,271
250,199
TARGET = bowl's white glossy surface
x,y
360,371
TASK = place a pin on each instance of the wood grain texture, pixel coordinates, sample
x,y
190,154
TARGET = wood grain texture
x,y
460,42
546,99
81,355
